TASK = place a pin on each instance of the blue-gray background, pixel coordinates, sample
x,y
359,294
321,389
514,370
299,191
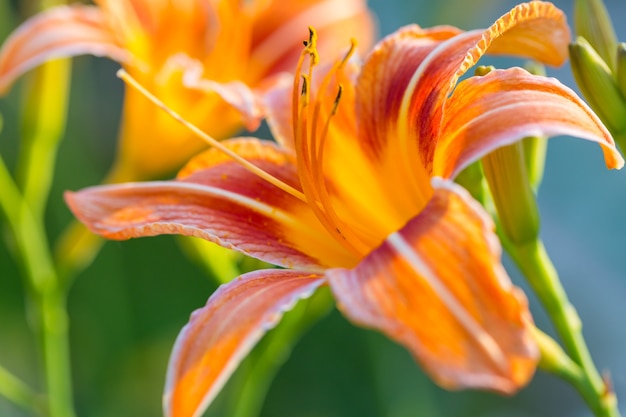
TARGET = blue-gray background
x,y
127,308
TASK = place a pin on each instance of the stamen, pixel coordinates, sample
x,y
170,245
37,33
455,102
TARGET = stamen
x,y
337,99
311,46
305,88
346,57
300,108
211,141
306,141
310,49
349,237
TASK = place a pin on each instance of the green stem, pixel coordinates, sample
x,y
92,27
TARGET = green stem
x,y
54,319
43,125
49,298
7,18
555,361
19,393
534,262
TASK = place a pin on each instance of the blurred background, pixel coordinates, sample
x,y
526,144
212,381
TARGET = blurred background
x,y
128,306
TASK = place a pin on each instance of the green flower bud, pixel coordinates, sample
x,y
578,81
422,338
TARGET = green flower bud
x,y
620,70
596,82
505,170
592,22
472,179
535,148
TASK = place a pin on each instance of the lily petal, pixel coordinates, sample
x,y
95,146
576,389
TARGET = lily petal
x,y
537,30
377,148
219,335
438,287
507,105
421,110
277,106
385,77
151,29
244,99
61,31
217,199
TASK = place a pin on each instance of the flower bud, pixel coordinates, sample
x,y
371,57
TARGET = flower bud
x,y
472,178
535,147
596,82
592,22
620,69
505,170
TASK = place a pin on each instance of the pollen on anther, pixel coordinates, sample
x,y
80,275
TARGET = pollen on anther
x,y
304,86
337,99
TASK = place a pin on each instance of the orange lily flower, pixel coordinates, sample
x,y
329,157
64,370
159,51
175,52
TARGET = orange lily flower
x,y
205,58
360,198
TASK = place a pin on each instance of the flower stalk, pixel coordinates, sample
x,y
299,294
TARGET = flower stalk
x,y
554,360
23,204
534,262
43,125
20,394
48,298
506,173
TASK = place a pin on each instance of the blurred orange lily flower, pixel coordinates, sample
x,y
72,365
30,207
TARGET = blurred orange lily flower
x,y
359,197
204,58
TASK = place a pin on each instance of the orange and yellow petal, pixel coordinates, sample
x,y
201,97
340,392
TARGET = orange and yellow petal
x,y
383,81
383,174
221,201
505,106
537,30
152,29
124,24
422,104
437,287
61,31
219,335
368,188
229,30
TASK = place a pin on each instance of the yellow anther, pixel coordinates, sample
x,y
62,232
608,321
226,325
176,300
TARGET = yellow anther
x,y
311,46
